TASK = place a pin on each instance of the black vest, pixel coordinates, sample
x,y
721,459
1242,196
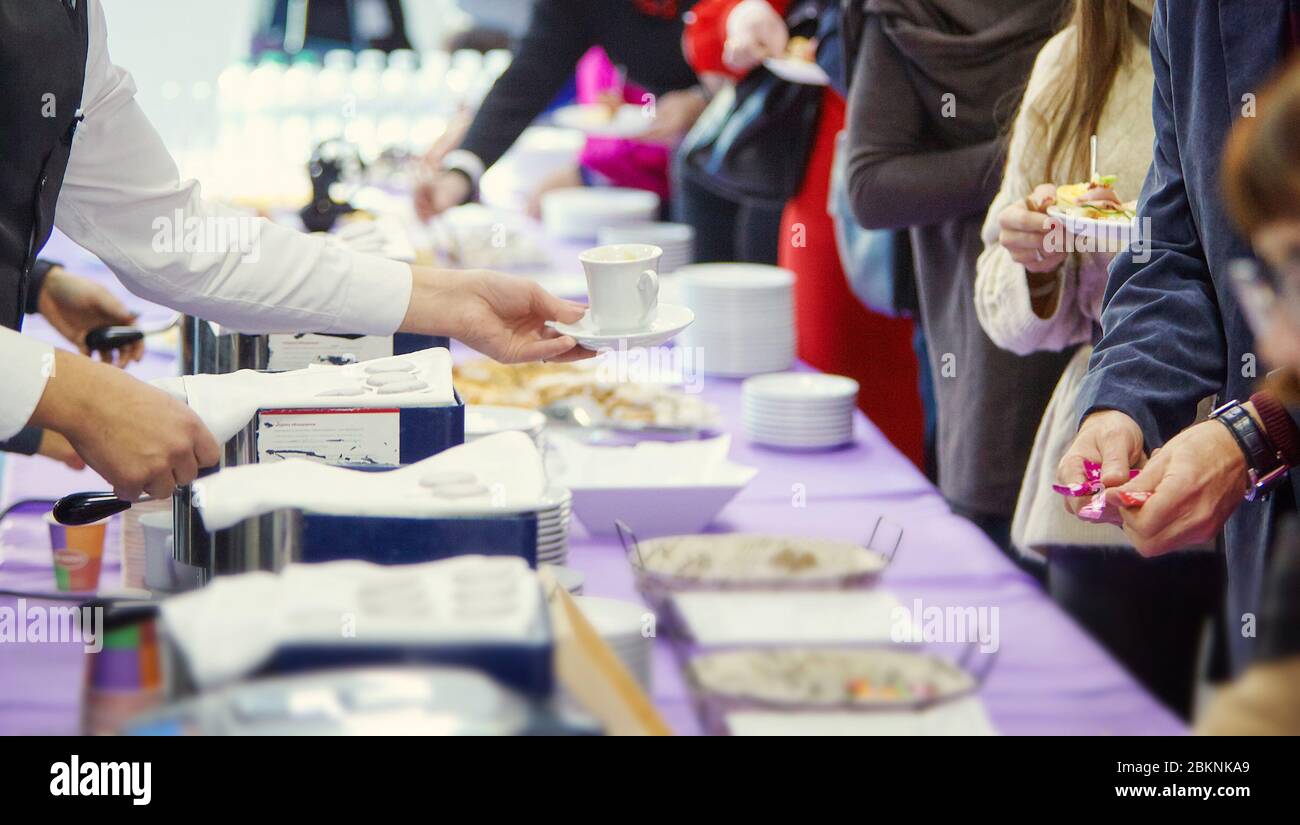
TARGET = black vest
x,y
43,45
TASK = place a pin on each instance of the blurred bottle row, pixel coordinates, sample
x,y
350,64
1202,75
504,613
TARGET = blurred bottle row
x,y
251,143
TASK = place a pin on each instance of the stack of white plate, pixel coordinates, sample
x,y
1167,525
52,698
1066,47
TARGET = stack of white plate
x,y
553,527
677,240
482,420
620,624
744,317
568,578
577,212
799,411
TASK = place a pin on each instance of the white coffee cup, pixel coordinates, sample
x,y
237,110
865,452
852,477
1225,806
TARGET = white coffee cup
x,y
157,529
622,285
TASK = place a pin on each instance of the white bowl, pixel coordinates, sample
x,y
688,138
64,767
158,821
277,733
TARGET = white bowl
x,y
653,511
577,212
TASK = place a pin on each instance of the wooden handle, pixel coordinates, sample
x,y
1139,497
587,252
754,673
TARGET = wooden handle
x,y
593,674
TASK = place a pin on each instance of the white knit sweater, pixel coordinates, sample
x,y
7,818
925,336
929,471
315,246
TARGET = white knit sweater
x,y
1125,137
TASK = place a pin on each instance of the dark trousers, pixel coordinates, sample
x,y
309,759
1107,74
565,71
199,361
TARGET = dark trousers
x,y
726,230
998,530
1150,614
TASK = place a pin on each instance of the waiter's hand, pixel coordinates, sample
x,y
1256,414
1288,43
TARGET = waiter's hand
x,y
136,436
501,316
74,306
58,448
443,190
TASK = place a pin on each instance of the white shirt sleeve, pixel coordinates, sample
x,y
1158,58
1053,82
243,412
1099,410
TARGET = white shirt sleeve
x,y
25,368
123,199
1002,300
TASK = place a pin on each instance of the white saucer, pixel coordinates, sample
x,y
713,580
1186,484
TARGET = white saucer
x,y
669,321
808,387
797,71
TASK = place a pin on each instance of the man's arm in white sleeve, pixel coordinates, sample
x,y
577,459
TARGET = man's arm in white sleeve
x,y
24,371
123,199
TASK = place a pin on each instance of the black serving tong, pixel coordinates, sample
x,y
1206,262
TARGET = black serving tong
x,y
76,509
112,338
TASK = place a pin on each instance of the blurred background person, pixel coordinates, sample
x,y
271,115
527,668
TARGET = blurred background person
x,y
321,25
1262,180
935,83
1174,332
1035,292
836,333
642,36
627,162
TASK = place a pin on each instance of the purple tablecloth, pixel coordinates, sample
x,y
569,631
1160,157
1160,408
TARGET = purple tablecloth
x,y
1050,678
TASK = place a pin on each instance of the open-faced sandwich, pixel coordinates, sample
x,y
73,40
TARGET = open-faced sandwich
x,y
1095,199
801,48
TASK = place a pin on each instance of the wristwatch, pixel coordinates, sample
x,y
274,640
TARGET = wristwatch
x,y
1264,462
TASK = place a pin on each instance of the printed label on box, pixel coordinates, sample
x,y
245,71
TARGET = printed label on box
x,y
295,352
345,437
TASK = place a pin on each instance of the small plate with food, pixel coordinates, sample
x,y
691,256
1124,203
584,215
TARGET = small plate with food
x,y
603,120
1093,211
798,64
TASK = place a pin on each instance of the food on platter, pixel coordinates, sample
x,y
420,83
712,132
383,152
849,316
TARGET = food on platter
x,y
1095,199
829,677
801,48
798,64
737,560
537,386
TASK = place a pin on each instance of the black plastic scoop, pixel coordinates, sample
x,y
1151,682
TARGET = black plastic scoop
x,y
108,339
87,508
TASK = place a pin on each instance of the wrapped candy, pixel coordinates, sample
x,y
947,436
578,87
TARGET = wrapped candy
x,y
1134,499
1097,509
1091,484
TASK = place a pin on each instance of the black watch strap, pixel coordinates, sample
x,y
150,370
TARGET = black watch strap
x,y
1261,455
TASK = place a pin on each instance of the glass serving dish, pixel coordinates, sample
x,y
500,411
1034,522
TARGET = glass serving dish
x,y
830,679
752,562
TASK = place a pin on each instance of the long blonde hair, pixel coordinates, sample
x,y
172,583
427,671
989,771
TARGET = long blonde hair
x,y
1106,33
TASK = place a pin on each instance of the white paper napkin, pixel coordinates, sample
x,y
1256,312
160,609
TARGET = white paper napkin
x,y
226,403
963,717
234,625
646,464
498,474
740,618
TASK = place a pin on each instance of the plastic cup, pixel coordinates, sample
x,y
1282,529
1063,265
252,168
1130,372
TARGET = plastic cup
x,y
78,554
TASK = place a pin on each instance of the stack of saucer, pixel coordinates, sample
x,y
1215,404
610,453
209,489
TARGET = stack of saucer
x,y
553,526
677,240
744,317
576,213
621,624
799,411
482,420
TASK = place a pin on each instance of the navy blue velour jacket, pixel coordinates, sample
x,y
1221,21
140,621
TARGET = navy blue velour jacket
x,y
1172,332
